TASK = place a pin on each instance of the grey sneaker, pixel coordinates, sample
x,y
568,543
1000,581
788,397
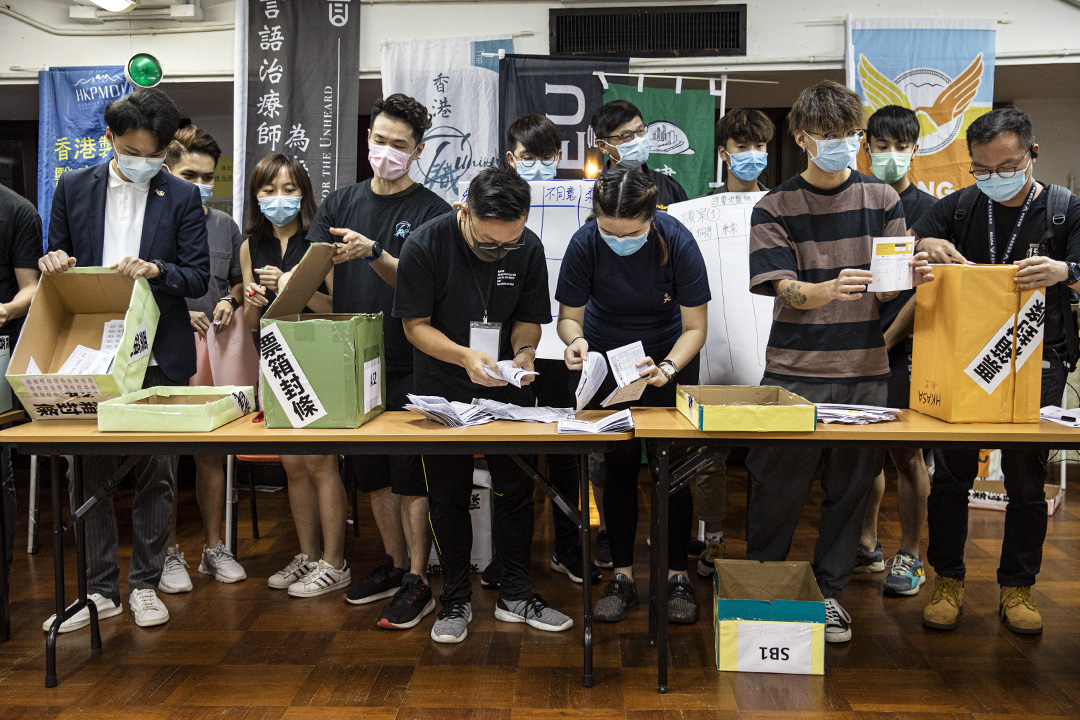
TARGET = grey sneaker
x,y
296,569
222,564
869,562
619,596
452,625
682,608
534,612
174,574
905,576
837,622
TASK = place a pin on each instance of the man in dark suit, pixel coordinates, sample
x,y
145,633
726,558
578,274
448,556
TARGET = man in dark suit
x,y
129,216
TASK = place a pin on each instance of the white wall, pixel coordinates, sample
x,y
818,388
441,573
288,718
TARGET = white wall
x,y
1057,128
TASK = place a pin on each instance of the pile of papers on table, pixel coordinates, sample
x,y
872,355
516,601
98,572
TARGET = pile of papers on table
x,y
855,414
1061,416
506,411
449,413
621,421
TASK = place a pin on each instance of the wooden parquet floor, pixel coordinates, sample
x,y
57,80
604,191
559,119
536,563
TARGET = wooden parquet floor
x,y
244,651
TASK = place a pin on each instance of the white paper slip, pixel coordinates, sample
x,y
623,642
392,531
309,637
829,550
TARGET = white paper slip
x,y
509,373
593,373
621,421
1061,416
85,361
626,393
855,414
889,265
506,411
111,335
624,363
32,368
451,414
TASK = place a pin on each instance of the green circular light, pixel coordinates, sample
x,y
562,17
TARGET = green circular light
x,y
143,70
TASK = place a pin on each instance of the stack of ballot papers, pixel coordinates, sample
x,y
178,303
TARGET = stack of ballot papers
x,y
509,373
1061,416
451,414
506,411
855,414
85,360
628,378
621,421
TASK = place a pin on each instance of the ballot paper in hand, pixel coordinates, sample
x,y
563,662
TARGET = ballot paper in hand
x,y
593,373
509,373
621,421
890,264
624,366
451,414
855,414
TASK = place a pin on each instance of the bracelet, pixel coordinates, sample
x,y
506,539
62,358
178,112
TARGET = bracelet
x,y
579,337
523,348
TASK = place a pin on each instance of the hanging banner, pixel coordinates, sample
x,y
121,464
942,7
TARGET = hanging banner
x,y
457,79
71,125
941,69
568,92
303,65
680,132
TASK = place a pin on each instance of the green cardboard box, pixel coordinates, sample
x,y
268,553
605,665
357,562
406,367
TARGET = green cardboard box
x,y
176,409
89,308
319,370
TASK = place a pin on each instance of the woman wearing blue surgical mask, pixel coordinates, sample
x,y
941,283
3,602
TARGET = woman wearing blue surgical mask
x,y
633,274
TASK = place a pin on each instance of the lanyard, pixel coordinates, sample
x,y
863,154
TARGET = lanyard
x,y
1016,227
484,297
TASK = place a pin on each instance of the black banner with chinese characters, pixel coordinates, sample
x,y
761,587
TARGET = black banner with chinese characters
x,y
568,92
303,87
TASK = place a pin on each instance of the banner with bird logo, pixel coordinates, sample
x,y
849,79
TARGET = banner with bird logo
x,y
941,69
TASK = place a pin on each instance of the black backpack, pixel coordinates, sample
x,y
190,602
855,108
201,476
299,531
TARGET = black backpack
x,y
1053,243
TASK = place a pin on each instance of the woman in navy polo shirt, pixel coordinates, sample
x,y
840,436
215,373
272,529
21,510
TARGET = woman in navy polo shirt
x,y
632,273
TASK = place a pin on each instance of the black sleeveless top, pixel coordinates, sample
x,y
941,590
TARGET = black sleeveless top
x,y
265,250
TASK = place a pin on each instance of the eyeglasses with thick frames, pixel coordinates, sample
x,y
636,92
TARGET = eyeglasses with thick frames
x,y
493,245
544,159
1004,173
628,135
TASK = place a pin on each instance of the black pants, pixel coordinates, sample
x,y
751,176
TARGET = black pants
x,y
621,483
554,387
1025,515
7,501
449,488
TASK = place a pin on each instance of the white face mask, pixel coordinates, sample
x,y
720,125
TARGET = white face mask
x,y
138,169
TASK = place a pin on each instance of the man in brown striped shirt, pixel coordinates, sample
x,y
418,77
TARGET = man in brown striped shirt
x,y
810,247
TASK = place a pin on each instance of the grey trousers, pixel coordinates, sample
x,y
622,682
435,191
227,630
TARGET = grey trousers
x,y
781,477
151,516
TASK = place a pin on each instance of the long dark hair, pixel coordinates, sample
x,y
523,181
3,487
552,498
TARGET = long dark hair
x,y
628,194
265,172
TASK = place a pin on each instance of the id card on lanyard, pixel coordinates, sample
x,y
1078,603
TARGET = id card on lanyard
x,y
485,336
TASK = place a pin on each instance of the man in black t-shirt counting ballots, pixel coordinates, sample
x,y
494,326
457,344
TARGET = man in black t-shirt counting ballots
x,y
375,219
1006,222
473,289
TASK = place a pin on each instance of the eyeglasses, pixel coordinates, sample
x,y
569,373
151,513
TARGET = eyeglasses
x,y
494,245
1002,172
544,159
835,138
628,135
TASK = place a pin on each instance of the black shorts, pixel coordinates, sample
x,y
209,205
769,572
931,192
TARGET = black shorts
x,y
900,380
403,474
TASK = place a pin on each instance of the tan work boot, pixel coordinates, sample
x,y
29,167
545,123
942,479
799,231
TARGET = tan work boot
x,y
947,605
1018,611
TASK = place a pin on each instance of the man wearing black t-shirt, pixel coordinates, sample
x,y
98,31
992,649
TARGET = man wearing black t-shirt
x,y
472,290
623,136
1005,224
375,219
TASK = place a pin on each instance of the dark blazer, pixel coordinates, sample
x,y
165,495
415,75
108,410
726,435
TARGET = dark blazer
x,y
174,232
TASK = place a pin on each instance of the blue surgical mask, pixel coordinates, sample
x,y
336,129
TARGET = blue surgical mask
x,y
280,209
634,153
1000,189
624,246
206,191
835,159
138,169
748,165
536,170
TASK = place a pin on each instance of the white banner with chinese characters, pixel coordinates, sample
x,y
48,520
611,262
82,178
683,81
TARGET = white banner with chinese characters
x,y
303,61
458,80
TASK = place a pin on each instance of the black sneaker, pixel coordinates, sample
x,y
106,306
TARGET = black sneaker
x,y
492,575
411,604
619,596
383,582
602,556
682,608
569,564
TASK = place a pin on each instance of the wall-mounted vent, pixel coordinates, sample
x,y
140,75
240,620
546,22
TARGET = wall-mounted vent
x,y
678,31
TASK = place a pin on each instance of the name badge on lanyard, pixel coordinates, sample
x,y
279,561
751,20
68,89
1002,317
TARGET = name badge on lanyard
x,y
485,337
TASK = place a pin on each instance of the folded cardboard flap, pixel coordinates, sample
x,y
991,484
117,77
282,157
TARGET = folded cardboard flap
x,y
179,399
742,395
766,581
306,278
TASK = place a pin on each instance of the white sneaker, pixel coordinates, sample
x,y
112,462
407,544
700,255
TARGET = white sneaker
x,y
148,608
106,608
174,576
837,622
322,579
222,564
296,569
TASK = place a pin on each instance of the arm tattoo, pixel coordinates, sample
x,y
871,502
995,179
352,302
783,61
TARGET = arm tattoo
x,y
792,296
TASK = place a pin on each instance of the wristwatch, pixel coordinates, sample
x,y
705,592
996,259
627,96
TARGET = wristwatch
x,y
376,252
231,300
1074,273
160,278
667,367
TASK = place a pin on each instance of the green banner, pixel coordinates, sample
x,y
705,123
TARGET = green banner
x,y
680,132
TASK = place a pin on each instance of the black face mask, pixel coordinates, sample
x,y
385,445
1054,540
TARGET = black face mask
x,y
484,253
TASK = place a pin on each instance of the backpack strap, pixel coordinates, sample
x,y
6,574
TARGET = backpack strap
x,y
965,208
1054,243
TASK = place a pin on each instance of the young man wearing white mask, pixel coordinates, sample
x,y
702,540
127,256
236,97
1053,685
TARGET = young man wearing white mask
x,y
375,219
809,248
1006,217
623,136
742,139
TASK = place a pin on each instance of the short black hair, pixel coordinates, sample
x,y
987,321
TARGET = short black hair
x,y
536,133
404,108
987,127
893,122
498,194
744,125
145,109
611,115
826,107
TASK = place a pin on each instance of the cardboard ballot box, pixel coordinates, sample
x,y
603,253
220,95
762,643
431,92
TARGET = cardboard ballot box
x,y
318,370
768,617
6,402
176,409
745,408
977,351
481,519
87,338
